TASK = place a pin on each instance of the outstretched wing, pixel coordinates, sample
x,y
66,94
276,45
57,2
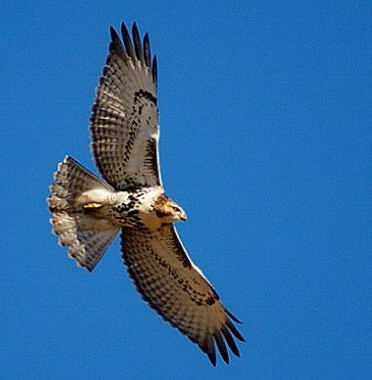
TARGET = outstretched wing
x,y
124,122
167,279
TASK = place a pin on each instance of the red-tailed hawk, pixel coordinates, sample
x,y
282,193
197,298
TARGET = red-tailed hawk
x,y
88,212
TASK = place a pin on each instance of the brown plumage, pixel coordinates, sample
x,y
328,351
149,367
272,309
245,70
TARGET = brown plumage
x,y
88,212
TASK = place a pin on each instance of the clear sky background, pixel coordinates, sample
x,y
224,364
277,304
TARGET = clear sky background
x,y
265,111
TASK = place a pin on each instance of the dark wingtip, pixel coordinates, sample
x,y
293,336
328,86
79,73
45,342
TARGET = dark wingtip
x,y
123,27
230,341
127,41
115,43
137,42
212,358
114,35
222,347
209,349
147,50
155,69
134,47
234,330
232,316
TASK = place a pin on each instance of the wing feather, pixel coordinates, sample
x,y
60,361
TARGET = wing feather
x,y
137,43
221,346
124,121
168,280
230,341
147,50
155,70
127,41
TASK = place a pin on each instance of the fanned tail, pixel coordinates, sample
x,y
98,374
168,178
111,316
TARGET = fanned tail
x,y
86,236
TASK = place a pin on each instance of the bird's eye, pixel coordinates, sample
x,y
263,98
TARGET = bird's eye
x,y
175,208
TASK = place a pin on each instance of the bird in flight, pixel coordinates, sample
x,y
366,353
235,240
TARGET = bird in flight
x,y
88,212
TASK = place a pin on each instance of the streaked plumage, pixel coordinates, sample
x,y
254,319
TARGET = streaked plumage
x,y
87,212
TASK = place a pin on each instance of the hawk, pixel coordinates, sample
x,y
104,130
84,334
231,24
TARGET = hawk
x,y
88,212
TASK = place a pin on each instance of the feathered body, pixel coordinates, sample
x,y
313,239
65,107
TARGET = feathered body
x,y
88,212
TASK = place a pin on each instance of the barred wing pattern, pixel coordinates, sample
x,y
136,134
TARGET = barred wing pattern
x,y
124,122
168,280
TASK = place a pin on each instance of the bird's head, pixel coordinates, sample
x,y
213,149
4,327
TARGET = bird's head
x,y
168,211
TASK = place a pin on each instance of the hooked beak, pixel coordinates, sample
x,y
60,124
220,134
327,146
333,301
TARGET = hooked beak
x,y
183,216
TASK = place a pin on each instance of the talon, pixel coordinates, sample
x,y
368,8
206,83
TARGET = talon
x,y
93,205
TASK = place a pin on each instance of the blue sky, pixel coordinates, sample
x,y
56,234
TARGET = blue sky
x,y
265,112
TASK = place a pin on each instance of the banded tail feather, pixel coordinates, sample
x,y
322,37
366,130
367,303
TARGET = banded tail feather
x,y
86,236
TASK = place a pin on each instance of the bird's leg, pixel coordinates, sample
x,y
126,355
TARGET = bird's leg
x,y
93,199
92,205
